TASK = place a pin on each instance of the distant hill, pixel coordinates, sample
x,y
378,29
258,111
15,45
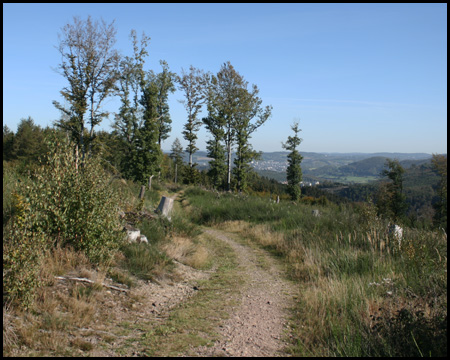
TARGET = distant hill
x,y
361,171
339,167
370,167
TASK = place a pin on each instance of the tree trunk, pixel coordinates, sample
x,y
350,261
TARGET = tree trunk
x,y
229,164
150,182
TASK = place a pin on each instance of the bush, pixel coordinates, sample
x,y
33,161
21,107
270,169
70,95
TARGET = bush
x,y
61,205
77,206
22,251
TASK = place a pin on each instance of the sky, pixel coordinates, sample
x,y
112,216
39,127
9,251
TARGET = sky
x,y
357,77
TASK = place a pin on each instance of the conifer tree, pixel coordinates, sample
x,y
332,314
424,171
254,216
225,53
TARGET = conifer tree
x,y
294,170
177,157
395,200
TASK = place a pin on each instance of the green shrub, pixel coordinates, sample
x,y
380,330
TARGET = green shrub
x,y
63,205
22,251
76,206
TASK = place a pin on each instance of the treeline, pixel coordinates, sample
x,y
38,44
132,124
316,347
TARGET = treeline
x,y
425,201
94,71
423,192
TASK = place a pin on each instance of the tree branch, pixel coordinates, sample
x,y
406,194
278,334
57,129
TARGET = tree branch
x,y
90,282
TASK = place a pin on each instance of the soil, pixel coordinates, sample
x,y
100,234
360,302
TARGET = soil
x,y
257,327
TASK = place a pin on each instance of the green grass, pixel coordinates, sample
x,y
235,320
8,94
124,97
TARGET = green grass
x,y
193,322
359,179
362,294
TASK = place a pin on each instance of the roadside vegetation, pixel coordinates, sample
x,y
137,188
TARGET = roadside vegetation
x,y
363,293
59,221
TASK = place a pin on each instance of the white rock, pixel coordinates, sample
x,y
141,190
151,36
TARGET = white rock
x,y
133,234
396,232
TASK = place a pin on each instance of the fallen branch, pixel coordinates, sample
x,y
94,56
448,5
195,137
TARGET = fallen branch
x,y
90,282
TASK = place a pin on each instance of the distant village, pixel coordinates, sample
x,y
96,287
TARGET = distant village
x,y
278,166
273,165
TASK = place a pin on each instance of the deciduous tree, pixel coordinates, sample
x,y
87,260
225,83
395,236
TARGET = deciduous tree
x,y
215,150
129,120
89,64
232,107
249,109
165,83
194,87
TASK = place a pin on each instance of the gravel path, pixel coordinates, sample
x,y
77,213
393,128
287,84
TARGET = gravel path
x,y
256,326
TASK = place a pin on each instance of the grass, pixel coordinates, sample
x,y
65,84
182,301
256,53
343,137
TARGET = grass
x,y
192,323
63,307
363,294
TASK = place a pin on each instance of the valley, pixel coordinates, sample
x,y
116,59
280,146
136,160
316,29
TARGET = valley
x,y
345,168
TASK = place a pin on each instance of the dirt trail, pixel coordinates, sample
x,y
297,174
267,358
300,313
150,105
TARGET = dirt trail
x,y
256,326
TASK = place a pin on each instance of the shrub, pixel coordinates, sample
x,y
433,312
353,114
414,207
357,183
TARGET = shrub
x,y
22,251
61,205
76,206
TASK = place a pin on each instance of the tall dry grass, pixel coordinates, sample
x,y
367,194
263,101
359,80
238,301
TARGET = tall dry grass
x,y
364,293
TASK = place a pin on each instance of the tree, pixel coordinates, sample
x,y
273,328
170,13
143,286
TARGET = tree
x,y
194,85
224,102
232,107
129,120
439,163
89,63
394,203
8,140
294,170
249,109
177,156
215,150
147,154
28,142
165,84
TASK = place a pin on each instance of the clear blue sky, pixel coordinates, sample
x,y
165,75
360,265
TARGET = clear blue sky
x,y
359,77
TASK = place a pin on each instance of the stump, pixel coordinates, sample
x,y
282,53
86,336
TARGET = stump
x,y
165,206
